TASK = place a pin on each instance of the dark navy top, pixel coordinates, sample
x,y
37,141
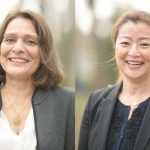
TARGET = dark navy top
x,y
123,132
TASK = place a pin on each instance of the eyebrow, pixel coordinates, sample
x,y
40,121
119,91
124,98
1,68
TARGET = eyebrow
x,y
142,38
26,35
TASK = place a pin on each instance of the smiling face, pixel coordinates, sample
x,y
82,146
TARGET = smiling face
x,y
133,50
20,52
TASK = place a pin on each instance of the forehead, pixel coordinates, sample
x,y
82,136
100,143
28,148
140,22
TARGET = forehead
x,y
20,23
134,29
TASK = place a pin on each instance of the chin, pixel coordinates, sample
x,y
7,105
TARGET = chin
x,y
136,77
19,75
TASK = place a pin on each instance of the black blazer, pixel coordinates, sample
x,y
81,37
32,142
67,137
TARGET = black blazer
x,y
97,118
54,118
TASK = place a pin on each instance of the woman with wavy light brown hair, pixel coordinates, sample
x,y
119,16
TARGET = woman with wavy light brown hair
x,y
117,117
36,112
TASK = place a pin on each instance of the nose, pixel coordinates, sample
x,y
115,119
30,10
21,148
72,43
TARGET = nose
x,y
18,47
134,51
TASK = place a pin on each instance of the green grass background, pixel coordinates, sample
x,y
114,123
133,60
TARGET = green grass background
x,y
81,100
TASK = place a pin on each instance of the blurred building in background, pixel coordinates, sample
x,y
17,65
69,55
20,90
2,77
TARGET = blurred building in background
x,y
59,15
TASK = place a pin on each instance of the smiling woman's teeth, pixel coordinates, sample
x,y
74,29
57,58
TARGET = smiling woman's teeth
x,y
18,60
134,63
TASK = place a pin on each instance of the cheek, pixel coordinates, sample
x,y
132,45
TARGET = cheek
x,y
35,54
120,56
36,57
4,50
146,54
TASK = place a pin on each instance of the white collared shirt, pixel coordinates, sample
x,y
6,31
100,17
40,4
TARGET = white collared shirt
x,y
9,140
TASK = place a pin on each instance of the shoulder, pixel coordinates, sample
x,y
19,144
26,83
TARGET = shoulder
x,y
96,99
97,96
56,90
58,93
63,90
103,92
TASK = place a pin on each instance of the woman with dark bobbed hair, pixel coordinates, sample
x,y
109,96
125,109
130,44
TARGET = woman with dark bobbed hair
x,y
118,117
36,112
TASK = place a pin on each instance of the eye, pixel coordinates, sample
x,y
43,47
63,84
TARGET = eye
x,y
9,40
31,42
125,44
145,45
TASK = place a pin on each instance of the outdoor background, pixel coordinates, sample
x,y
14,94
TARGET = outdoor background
x,y
81,30
93,22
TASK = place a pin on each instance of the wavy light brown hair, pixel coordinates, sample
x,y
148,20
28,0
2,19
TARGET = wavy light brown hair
x,y
134,16
49,73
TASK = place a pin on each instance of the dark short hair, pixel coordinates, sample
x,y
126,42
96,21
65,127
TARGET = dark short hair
x,y
49,73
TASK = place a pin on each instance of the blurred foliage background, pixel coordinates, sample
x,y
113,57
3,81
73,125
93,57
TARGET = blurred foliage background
x,y
94,50
82,36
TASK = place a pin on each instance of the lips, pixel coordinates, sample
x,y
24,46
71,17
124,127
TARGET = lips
x,y
134,62
18,59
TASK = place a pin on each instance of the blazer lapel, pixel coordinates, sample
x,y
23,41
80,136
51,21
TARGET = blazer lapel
x,y
106,112
41,121
144,132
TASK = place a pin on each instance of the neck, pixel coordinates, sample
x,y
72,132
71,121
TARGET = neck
x,y
18,91
134,92
136,88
